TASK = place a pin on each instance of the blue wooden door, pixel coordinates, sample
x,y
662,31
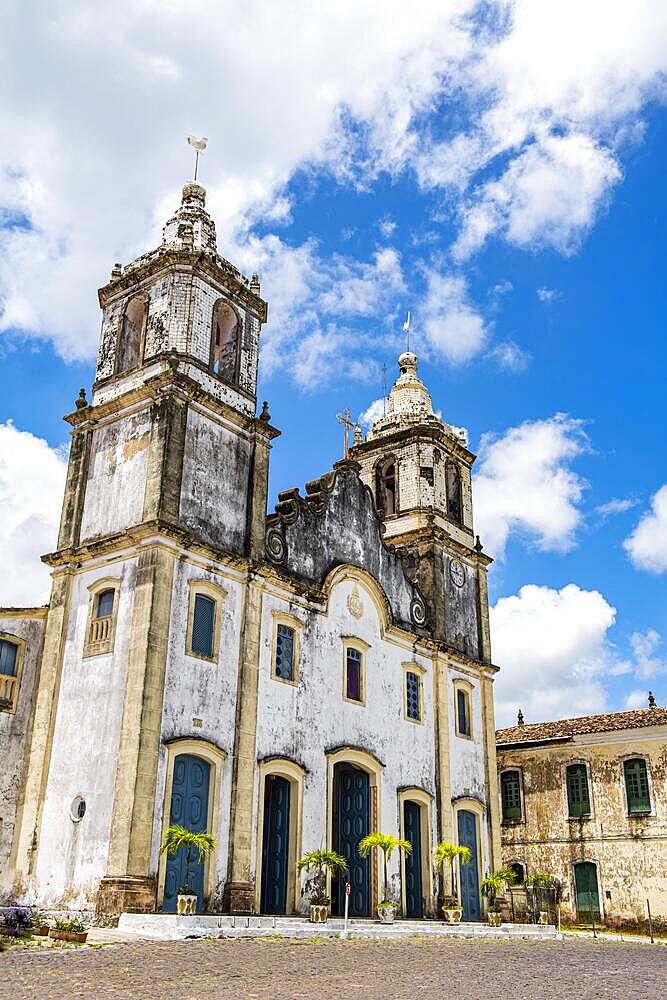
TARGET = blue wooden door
x,y
351,823
189,808
414,903
469,874
275,845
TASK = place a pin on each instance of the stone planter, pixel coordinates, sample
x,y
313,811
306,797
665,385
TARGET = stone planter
x,y
495,918
319,914
79,936
186,904
452,914
387,914
41,931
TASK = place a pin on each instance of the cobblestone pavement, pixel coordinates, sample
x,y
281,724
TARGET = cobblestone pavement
x,y
337,970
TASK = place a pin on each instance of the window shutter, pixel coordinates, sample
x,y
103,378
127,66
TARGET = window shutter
x,y
510,787
284,665
202,625
413,708
578,801
636,786
8,652
353,677
462,712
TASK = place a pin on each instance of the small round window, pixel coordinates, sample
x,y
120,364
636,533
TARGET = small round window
x,y
78,809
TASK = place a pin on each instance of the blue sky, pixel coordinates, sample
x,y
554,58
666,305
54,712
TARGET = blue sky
x,y
496,168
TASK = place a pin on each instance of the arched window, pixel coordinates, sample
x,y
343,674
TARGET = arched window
x,y
225,342
385,488
453,487
132,334
102,613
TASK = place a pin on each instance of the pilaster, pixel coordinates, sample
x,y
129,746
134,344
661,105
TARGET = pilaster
x,y
239,890
259,490
75,486
129,878
164,473
493,810
442,745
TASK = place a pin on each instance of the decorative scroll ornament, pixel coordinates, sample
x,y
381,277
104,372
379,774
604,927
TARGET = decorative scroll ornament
x,y
276,549
354,603
418,611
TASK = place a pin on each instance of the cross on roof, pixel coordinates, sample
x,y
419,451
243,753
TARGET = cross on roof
x,y
345,418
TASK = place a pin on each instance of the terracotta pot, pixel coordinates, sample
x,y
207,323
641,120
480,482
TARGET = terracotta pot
x,y
494,917
79,936
318,914
186,904
42,931
452,914
387,914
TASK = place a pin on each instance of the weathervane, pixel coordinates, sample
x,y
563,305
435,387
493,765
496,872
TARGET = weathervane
x,y
406,330
345,418
199,146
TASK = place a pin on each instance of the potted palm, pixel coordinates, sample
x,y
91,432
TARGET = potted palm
x,y
492,887
387,843
175,838
446,852
320,863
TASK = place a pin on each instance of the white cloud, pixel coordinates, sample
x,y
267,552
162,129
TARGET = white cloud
x,y
647,545
510,356
553,651
450,322
374,412
644,646
615,506
387,227
546,294
548,195
32,480
502,288
637,699
525,485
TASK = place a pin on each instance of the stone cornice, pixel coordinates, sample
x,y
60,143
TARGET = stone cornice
x,y
40,612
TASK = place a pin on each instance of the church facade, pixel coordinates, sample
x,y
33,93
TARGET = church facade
x,y
284,681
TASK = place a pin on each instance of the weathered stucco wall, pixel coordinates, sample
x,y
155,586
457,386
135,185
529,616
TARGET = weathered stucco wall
x,y
304,721
116,475
214,491
630,852
200,700
15,726
73,855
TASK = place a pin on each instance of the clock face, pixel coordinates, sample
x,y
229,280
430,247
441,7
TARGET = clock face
x,y
457,573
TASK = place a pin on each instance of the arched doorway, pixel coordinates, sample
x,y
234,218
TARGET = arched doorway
x,y
587,891
414,892
189,808
469,874
351,822
275,844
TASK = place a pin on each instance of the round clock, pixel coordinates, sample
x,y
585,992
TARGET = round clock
x,y
457,573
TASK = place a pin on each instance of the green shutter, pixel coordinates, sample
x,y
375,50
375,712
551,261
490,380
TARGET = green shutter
x,y
578,801
510,790
203,620
636,786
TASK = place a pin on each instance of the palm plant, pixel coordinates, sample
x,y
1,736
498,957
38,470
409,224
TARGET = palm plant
x,y
178,836
387,843
495,882
321,863
450,852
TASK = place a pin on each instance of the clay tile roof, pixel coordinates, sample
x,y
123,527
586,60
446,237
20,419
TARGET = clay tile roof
x,y
564,728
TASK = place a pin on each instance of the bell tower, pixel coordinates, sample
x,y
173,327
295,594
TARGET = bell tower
x,y
419,470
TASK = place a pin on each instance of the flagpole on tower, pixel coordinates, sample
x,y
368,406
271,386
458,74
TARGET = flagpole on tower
x,y
199,145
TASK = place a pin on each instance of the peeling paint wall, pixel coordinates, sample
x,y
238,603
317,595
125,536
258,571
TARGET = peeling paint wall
x,y
302,722
214,491
200,699
631,852
15,726
73,855
116,475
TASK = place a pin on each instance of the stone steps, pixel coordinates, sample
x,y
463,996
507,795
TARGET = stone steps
x,y
168,926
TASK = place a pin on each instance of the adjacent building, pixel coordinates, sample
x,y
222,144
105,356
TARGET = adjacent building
x,y
585,800
284,681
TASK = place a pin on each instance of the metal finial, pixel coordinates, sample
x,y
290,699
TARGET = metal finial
x,y
345,418
265,415
81,402
651,700
519,718
478,544
199,145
